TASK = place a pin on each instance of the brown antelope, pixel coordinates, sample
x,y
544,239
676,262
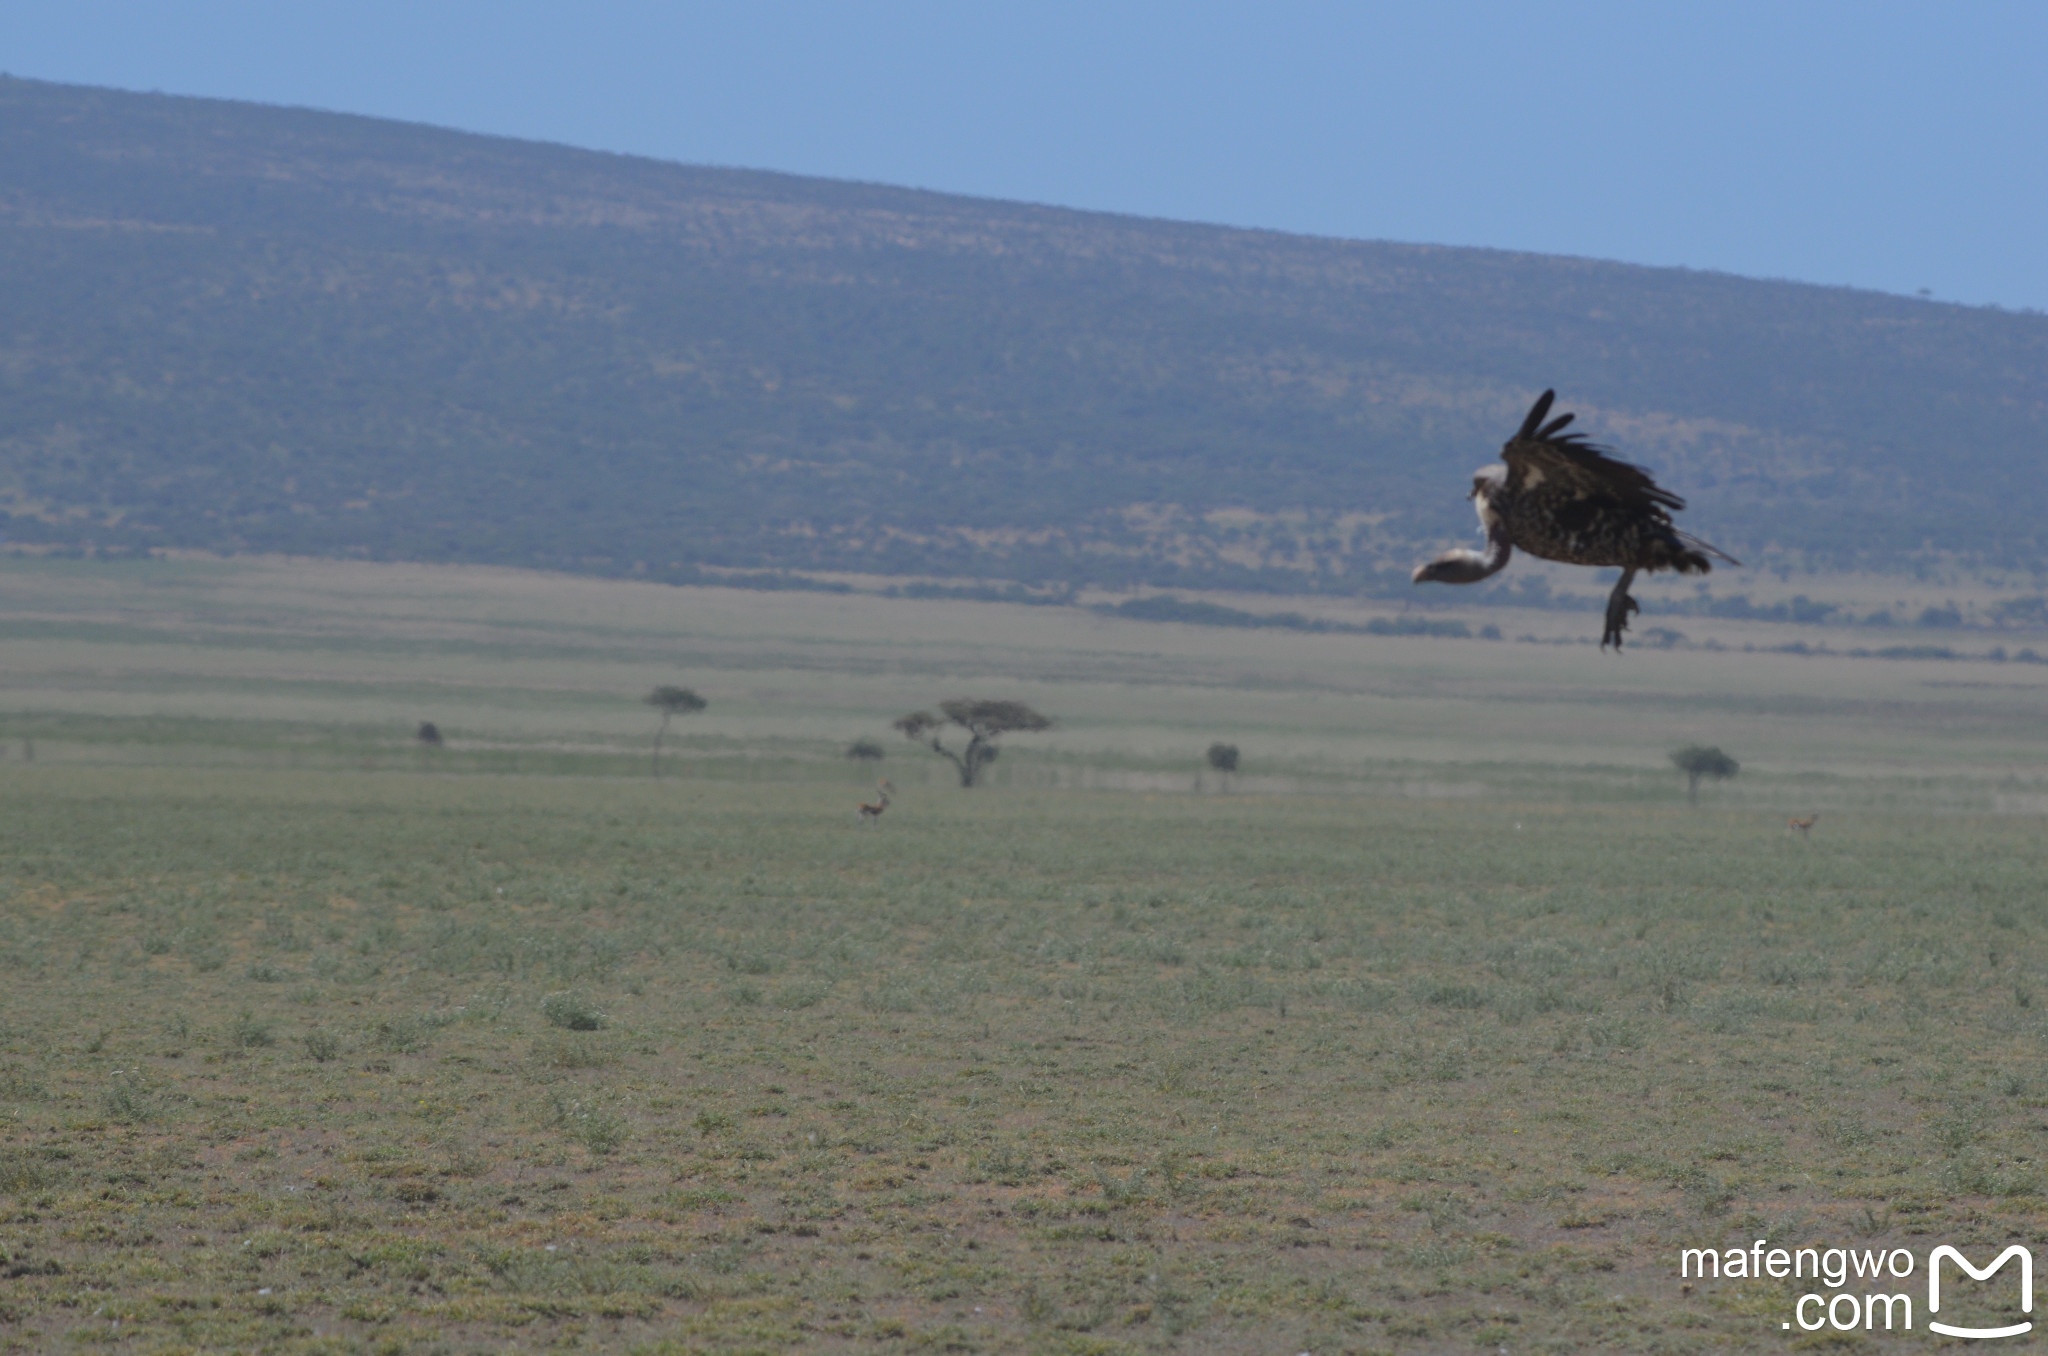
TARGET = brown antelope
x,y
870,813
1804,825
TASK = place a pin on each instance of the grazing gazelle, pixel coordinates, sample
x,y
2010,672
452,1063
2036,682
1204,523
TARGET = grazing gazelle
x,y
870,813
1803,825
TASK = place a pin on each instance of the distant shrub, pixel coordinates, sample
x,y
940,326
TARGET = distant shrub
x,y
893,996
563,1052
1699,760
1162,950
1004,1166
1464,997
572,1012
793,997
598,1127
402,1035
671,701
1791,968
128,1097
1704,1192
22,1170
866,751
18,1084
1845,1132
248,1031
321,1046
1208,990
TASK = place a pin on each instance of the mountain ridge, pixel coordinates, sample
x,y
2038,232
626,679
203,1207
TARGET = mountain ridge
x,y
236,327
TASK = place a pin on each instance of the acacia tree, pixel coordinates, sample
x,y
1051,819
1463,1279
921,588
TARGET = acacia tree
x,y
1223,758
984,721
671,702
1700,760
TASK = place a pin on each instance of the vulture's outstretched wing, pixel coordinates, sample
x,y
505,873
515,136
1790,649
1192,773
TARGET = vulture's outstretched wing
x,y
1544,462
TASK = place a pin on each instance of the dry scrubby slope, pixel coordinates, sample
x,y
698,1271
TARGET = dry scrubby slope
x,y
235,326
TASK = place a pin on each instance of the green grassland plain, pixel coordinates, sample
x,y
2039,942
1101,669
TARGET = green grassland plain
x,y
1444,1028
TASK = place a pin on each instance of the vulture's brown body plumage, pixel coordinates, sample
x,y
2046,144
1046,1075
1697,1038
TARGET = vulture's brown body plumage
x,y
1557,496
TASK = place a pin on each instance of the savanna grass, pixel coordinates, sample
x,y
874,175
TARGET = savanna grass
x,y
692,1067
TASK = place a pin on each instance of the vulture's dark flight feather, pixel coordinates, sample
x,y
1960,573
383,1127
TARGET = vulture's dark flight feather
x,y
1557,496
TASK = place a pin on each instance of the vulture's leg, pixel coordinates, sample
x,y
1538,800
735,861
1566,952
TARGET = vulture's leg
x,y
1619,605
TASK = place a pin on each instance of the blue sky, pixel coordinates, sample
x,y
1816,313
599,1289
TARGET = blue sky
x,y
1886,145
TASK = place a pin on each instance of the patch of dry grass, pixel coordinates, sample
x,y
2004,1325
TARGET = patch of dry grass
x,y
283,1067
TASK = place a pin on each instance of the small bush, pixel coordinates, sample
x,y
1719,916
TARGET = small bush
x,y
402,1035
1163,951
17,1084
249,1032
1957,1130
1793,969
596,1126
22,1170
1845,1132
1704,1192
894,996
322,1046
1004,1166
793,997
572,1012
562,1052
1971,1172
1463,997
128,1098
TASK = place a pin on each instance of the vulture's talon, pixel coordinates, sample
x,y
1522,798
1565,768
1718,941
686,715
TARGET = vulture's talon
x,y
1618,608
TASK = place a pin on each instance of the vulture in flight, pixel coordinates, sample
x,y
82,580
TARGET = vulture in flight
x,y
1557,496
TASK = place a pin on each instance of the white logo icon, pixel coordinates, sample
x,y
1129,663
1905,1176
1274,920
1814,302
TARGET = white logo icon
x,y
1934,1289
